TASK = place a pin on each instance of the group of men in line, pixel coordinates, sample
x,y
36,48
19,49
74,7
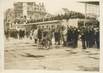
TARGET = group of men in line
x,y
90,36
15,34
68,37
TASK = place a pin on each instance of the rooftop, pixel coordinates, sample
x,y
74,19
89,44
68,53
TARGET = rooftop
x,y
93,2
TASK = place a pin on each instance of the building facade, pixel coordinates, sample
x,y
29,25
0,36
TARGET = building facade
x,y
9,18
92,8
44,25
30,10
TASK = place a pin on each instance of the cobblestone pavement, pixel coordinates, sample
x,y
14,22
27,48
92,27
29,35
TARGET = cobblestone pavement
x,y
24,54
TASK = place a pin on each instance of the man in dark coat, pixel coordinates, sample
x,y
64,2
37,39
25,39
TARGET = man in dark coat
x,y
39,35
83,37
97,38
69,36
75,37
57,36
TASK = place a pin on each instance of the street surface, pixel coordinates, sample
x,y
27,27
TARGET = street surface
x,y
24,54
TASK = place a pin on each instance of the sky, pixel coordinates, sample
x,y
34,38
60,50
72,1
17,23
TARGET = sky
x,y
52,6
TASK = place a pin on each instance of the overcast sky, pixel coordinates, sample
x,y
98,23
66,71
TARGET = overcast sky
x,y
52,6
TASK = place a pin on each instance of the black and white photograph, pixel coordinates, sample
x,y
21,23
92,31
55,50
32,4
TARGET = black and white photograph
x,y
57,35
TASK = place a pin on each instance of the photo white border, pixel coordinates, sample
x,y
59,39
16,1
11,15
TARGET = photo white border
x,y
45,71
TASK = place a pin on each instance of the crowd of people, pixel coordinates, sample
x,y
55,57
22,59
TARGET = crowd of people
x,y
65,36
90,36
